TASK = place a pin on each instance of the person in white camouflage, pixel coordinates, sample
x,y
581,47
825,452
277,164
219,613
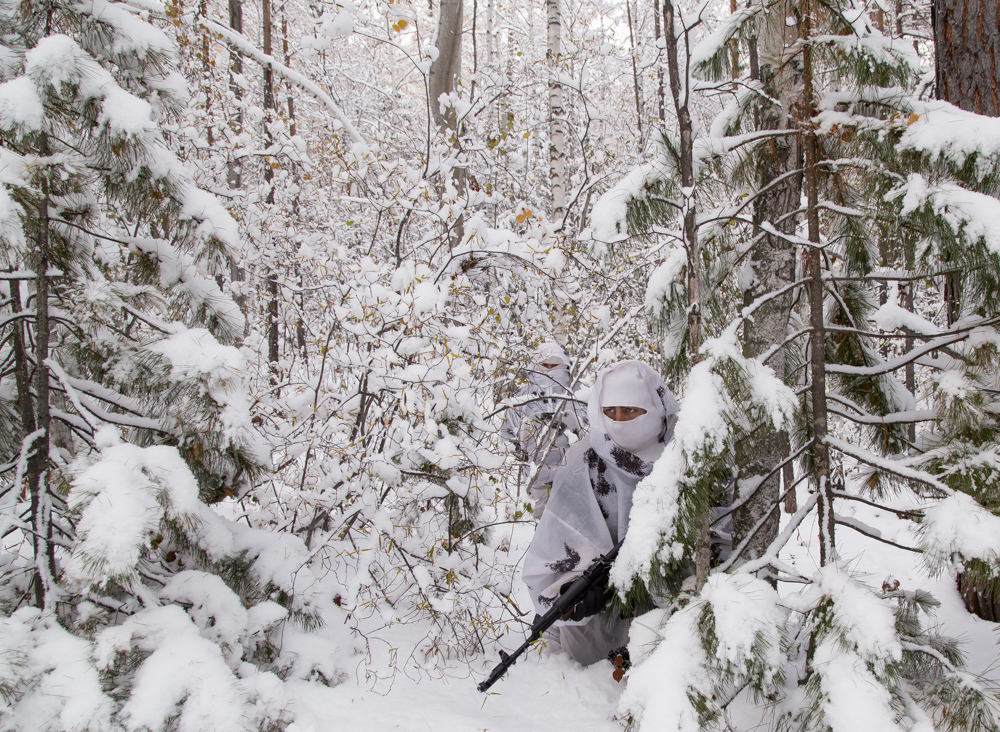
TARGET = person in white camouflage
x,y
632,415
544,422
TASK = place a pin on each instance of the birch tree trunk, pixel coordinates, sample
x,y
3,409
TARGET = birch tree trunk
x,y
234,169
489,34
661,108
443,79
635,76
557,121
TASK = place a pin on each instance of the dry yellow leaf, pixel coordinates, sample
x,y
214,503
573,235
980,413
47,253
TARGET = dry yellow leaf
x,y
913,118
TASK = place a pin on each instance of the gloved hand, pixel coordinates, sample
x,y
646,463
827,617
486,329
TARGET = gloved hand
x,y
592,603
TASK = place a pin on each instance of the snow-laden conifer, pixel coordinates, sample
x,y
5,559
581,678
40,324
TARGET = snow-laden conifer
x,y
129,602
865,224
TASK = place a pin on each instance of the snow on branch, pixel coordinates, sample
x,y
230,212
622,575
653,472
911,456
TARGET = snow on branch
x,y
969,213
958,527
885,367
862,416
293,76
893,467
942,130
609,215
74,397
86,388
716,41
178,269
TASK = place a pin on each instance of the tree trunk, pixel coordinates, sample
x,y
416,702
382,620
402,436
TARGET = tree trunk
x,y
635,75
273,351
967,54
206,69
443,79
557,122
661,109
447,67
38,463
234,169
773,264
817,361
967,74
489,34
966,50
681,98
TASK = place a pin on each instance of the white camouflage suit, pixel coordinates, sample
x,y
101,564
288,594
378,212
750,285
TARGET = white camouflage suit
x,y
588,511
541,425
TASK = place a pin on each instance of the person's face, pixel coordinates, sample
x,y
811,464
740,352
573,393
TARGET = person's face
x,y
549,365
623,414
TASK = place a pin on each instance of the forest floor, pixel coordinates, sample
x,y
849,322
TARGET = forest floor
x,y
551,692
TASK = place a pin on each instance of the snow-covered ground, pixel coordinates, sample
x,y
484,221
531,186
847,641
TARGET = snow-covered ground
x,y
550,692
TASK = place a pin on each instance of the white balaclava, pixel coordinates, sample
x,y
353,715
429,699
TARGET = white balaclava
x,y
624,386
551,352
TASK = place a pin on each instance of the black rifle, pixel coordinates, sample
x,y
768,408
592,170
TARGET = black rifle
x,y
561,607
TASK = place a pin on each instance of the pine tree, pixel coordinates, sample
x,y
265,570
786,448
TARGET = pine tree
x,y
878,169
124,404
965,36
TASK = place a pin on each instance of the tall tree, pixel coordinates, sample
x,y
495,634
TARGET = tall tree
x,y
866,147
446,69
967,74
557,121
771,264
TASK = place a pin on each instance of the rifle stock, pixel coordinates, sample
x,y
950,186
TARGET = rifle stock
x,y
561,607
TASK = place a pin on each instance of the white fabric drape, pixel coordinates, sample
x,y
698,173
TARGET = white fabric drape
x,y
540,428
589,511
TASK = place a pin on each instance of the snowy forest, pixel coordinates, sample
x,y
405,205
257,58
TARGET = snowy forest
x,y
272,273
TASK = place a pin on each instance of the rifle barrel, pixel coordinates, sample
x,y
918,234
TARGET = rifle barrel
x,y
562,606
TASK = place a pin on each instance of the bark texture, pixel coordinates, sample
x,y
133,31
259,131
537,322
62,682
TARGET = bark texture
x,y
981,597
38,462
680,94
966,47
273,342
817,321
557,115
447,67
967,51
773,263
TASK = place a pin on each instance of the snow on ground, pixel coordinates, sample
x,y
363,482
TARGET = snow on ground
x,y
873,562
542,690
549,691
